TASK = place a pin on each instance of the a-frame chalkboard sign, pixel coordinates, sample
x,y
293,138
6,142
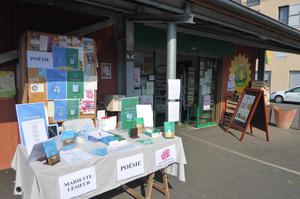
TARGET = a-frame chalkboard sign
x,y
250,112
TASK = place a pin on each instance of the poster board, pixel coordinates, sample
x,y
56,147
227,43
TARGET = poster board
x,y
250,112
59,68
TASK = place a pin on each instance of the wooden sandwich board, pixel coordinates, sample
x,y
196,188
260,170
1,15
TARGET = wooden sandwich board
x,y
250,112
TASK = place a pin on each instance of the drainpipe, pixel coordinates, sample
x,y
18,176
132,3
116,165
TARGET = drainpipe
x,y
171,54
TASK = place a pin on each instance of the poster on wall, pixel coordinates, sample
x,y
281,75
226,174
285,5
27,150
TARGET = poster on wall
x,y
128,113
7,84
106,71
136,77
240,70
147,65
87,104
245,108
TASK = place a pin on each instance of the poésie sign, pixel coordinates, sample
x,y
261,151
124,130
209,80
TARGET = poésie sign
x,y
37,59
77,183
165,155
130,166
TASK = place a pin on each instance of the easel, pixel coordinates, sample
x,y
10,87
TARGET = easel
x,y
252,103
163,188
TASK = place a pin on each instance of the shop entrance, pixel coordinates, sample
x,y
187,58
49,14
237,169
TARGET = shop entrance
x,y
198,89
207,92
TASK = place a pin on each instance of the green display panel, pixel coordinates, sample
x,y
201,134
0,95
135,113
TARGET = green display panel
x,y
128,113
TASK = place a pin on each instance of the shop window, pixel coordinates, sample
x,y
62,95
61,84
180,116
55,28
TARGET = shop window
x,y
253,2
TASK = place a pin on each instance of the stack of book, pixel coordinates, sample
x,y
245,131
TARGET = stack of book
x,y
113,140
153,132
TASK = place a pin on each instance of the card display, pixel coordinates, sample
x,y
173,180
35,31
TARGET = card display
x,y
58,67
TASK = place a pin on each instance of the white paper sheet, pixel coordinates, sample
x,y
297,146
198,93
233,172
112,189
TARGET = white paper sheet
x,y
145,111
37,59
43,43
173,89
109,123
130,166
173,111
34,132
77,183
150,88
206,102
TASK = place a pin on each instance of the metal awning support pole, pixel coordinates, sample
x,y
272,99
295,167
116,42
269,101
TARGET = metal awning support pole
x,y
261,65
171,53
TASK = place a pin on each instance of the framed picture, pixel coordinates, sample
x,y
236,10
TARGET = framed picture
x,y
106,71
52,130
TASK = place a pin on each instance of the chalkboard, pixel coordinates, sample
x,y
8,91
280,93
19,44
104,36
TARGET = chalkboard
x,y
250,112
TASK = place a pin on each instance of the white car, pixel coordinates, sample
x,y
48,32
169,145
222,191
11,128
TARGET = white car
x,y
290,95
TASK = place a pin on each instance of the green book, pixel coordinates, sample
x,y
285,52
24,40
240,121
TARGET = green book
x,y
169,128
156,132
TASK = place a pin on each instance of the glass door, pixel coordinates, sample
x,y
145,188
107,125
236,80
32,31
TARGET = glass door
x,y
206,102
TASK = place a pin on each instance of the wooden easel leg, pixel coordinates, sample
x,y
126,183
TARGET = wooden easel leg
x,y
243,135
251,130
267,135
164,187
150,186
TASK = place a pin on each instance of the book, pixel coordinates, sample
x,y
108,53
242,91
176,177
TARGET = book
x,y
113,140
156,132
169,128
51,152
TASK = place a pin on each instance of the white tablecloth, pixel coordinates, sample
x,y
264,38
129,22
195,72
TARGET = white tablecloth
x,y
38,180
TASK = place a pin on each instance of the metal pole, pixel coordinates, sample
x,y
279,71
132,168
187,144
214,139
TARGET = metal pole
x,y
171,55
171,51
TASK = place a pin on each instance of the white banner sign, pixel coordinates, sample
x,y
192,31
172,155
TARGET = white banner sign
x,y
130,166
77,183
37,59
165,156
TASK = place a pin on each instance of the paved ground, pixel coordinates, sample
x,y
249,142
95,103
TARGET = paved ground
x,y
221,167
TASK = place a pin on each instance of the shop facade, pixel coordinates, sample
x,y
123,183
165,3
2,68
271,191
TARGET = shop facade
x,y
215,55
203,65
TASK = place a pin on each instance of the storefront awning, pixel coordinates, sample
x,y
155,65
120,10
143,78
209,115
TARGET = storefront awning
x,y
219,19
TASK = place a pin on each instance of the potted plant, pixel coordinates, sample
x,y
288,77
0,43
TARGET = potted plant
x,y
284,118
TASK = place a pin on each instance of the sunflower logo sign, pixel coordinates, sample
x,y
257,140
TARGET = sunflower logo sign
x,y
240,74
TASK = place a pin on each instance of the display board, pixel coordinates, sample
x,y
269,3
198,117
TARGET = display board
x,y
60,71
250,112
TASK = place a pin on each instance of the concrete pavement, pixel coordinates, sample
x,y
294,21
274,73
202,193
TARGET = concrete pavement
x,y
221,167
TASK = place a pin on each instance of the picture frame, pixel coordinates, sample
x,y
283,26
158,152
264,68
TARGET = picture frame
x,y
52,130
106,72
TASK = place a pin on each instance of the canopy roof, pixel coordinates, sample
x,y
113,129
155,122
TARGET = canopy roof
x,y
219,19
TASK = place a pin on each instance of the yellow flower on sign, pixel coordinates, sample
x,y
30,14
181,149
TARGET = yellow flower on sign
x,y
240,69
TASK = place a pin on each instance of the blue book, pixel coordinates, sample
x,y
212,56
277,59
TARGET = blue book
x,y
50,148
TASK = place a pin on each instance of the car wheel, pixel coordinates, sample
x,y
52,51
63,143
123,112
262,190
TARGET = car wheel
x,y
278,99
